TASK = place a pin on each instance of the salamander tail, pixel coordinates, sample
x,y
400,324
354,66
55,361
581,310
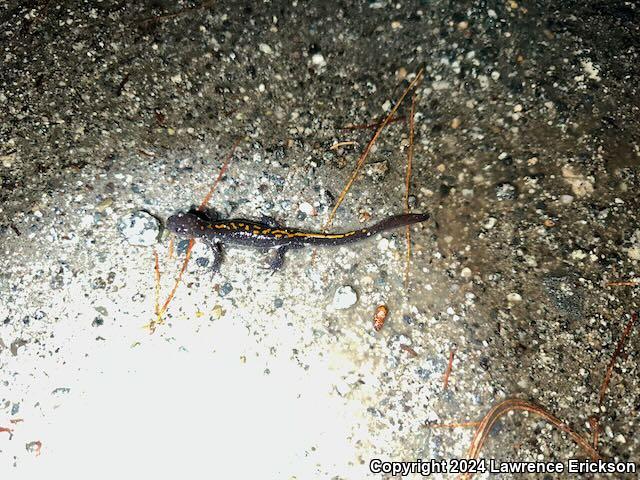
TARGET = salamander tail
x,y
398,221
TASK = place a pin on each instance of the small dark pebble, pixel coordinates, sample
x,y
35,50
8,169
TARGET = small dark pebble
x,y
484,363
182,246
301,215
507,161
138,297
444,190
380,282
225,289
277,152
97,322
202,261
60,391
15,408
449,181
407,319
423,373
278,302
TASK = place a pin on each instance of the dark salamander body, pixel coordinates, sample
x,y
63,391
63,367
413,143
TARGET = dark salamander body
x,y
267,234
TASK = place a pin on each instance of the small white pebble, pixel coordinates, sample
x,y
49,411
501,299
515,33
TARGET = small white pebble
x,y
318,60
490,223
466,272
383,245
344,298
514,297
307,208
264,48
7,160
578,255
634,253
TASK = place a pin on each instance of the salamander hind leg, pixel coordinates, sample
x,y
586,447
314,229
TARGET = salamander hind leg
x,y
277,261
270,221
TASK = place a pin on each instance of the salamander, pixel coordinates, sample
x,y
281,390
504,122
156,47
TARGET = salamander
x,y
268,234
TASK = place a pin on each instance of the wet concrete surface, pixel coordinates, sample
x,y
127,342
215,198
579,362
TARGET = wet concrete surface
x,y
527,153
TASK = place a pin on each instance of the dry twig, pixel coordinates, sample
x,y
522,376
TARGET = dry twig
x,y
365,153
493,415
447,372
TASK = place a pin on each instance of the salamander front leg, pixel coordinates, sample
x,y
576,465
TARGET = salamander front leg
x,y
217,252
207,214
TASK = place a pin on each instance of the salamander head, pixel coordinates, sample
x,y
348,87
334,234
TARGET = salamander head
x,y
185,225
